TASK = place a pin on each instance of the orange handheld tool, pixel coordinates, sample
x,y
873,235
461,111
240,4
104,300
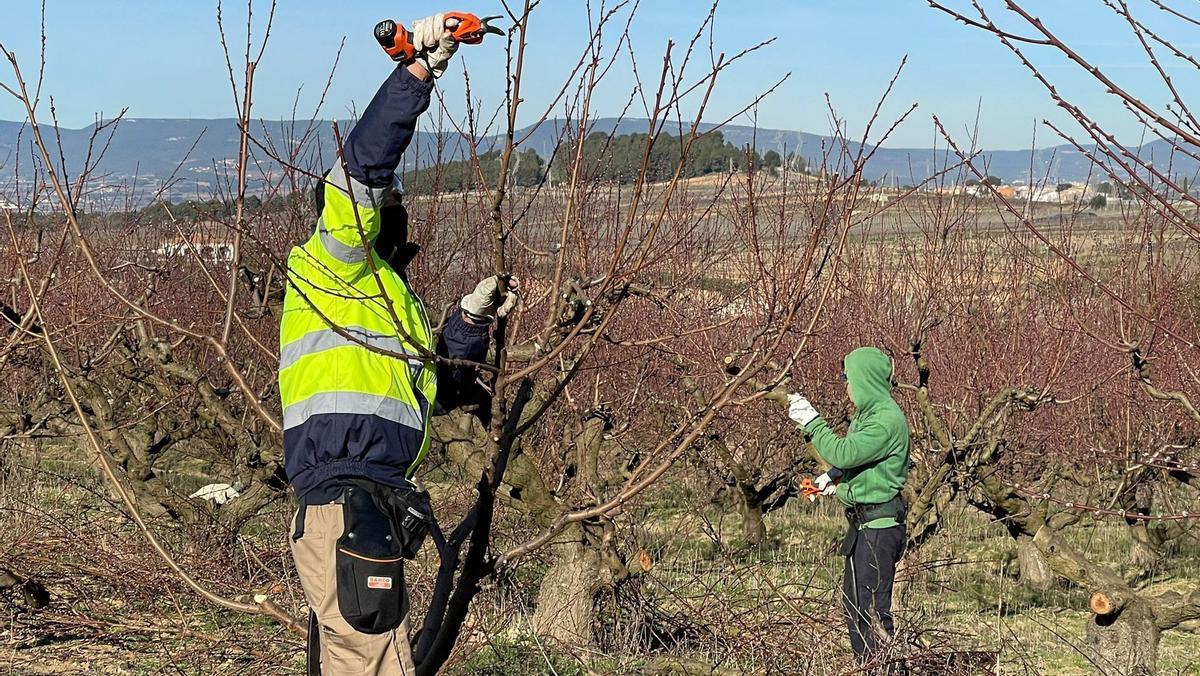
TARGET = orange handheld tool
x,y
464,27
395,40
469,29
809,490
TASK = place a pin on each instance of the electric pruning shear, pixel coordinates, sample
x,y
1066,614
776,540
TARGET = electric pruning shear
x,y
809,489
464,27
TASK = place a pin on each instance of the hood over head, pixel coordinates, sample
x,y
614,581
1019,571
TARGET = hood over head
x,y
869,372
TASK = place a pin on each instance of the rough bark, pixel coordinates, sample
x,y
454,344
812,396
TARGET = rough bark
x,y
1126,642
1034,570
585,560
567,595
1143,553
905,569
754,529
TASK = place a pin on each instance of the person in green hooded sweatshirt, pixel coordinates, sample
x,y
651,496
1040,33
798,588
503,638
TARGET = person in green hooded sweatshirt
x,y
870,466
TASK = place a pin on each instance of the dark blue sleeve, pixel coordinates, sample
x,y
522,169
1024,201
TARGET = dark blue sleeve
x,y
460,340
374,147
463,340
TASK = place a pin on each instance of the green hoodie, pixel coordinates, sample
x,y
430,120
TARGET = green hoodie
x,y
874,454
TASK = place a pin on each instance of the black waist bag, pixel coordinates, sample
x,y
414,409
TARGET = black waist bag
x,y
370,567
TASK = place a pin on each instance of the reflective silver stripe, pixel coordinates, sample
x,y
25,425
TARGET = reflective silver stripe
x,y
353,403
363,197
327,339
339,250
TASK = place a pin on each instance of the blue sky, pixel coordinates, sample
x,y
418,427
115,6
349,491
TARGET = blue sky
x,y
162,58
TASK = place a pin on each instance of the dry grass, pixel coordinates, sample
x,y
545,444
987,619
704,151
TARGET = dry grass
x,y
113,611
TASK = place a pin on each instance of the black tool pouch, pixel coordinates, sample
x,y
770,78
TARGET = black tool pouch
x,y
370,566
412,515
851,537
410,512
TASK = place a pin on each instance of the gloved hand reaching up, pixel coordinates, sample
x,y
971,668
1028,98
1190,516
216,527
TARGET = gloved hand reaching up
x,y
431,38
483,305
800,410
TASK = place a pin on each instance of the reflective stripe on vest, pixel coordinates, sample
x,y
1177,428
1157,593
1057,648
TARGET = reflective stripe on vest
x,y
353,402
349,217
327,339
342,252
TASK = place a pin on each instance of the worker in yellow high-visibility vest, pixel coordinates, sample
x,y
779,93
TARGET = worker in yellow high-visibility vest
x,y
358,382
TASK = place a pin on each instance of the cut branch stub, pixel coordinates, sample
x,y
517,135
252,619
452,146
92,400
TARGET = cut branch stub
x,y
1111,602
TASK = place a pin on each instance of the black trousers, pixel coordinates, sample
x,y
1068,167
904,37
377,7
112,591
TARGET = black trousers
x,y
867,586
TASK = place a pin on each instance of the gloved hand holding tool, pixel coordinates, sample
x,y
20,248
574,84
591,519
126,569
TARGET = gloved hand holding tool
x,y
826,484
434,39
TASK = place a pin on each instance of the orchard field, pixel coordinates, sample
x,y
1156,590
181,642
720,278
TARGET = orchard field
x,y
620,492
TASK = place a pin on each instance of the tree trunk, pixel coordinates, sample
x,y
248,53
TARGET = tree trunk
x,y
754,529
566,599
1126,643
1144,553
903,581
1124,632
1033,568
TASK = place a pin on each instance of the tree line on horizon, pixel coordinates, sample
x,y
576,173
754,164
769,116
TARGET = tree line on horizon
x,y
611,159
606,158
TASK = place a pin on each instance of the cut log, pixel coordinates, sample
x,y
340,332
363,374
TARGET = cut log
x,y
1123,632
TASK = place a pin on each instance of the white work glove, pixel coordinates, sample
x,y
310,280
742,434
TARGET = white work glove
x,y
826,484
433,43
800,410
483,304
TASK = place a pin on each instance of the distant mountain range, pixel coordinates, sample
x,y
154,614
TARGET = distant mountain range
x,y
197,157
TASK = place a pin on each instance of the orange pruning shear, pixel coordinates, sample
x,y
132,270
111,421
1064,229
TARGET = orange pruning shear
x,y
469,28
809,490
464,27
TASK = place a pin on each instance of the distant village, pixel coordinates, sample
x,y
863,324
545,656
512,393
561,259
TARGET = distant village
x,y
1093,195
1079,194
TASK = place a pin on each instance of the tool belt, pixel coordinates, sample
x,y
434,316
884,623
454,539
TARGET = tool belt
x,y
382,526
858,516
409,511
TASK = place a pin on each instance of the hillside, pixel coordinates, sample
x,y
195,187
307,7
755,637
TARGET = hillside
x,y
194,156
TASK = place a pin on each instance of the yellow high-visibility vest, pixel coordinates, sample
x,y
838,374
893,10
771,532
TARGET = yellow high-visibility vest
x,y
357,393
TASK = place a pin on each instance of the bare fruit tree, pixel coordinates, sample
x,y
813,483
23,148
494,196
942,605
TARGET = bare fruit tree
x,y
1134,321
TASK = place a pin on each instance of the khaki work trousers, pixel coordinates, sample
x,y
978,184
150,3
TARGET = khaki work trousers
x,y
344,651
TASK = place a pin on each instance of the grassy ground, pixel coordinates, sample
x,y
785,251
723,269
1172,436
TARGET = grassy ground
x,y
707,600
962,593
964,583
